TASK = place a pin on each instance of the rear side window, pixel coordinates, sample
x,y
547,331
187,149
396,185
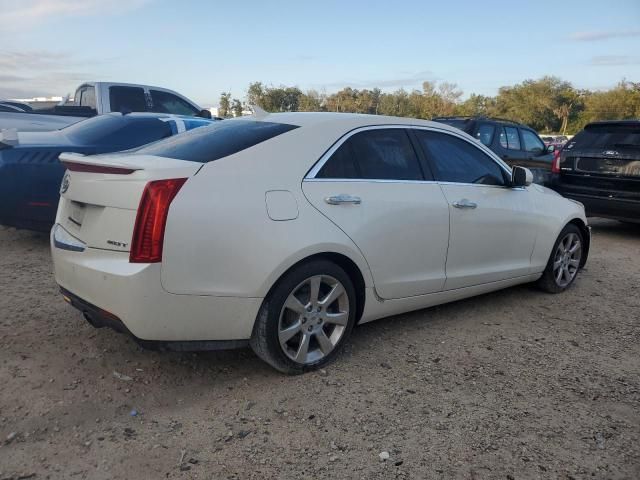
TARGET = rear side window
x,y
456,160
127,99
612,136
165,102
509,138
221,139
379,154
87,97
485,133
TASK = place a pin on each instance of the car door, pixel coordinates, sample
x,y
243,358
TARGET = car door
x,y
492,226
538,159
509,146
372,186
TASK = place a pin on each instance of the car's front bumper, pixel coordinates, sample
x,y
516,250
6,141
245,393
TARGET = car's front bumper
x,y
106,286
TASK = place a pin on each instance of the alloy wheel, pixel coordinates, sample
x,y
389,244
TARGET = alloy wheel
x,y
566,261
313,319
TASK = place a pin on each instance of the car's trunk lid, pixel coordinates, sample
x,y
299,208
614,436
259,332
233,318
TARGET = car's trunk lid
x,y
100,194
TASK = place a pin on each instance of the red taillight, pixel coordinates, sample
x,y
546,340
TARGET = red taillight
x,y
555,165
148,234
89,168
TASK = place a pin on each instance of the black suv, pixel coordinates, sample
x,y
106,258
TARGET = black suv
x,y
600,167
513,142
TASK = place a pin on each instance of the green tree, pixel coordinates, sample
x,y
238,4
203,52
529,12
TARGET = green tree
x,y
311,101
236,108
224,109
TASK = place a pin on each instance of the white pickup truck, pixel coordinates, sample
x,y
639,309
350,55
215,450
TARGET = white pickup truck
x,y
96,98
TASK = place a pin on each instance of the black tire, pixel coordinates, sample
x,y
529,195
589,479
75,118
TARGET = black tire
x,y
548,281
265,336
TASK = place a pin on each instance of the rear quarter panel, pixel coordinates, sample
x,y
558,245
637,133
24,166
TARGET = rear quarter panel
x,y
219,239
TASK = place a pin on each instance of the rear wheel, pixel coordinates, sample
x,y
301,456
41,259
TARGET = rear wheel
x,y
564,262
306,319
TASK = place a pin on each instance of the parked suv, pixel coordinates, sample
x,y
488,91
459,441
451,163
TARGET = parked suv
x,y
600,167
515,143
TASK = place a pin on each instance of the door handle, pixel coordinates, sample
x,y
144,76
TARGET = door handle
x,y
343,198
464,203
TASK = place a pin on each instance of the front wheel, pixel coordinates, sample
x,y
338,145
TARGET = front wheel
x,y
306,319
564,262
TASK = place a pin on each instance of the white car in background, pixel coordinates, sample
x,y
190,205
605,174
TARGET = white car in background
x,y
285,230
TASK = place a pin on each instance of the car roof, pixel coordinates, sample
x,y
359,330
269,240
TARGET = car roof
x,y
613,122
348,120
501,121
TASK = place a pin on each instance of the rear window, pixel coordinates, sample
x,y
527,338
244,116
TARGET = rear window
x,y
127,99
607,136
116,131
462,124
222,139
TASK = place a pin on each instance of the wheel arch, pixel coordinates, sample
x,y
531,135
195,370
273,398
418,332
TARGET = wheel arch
x,y
343,261
586,237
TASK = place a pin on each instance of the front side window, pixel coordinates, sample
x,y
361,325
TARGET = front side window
x,y
531,142
456,160
378,154
127,99
485,134
165,102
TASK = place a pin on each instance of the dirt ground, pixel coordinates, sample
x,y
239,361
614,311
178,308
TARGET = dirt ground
x,y
514,384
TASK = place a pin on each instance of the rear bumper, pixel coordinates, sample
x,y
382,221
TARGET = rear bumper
x,y
100,318
129,298
596,206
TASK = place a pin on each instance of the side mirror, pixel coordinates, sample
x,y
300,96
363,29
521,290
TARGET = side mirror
x,y
521,177
551,148
204,113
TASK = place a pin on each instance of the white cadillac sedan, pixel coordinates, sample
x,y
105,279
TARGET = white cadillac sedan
x,y
283,231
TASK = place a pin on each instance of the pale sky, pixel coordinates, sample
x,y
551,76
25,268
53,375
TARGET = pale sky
x,y
202,48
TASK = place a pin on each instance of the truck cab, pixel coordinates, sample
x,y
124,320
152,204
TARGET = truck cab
x,y
105,97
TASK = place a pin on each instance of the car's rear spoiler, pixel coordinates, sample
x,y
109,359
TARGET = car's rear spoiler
x,y
79,159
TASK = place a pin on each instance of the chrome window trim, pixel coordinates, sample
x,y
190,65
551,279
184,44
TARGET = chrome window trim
x,y
461,135
366,180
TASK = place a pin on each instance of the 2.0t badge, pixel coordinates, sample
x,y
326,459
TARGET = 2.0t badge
x,y
65,183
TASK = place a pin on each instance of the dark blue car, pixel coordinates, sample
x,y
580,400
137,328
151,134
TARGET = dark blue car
x,y
30,172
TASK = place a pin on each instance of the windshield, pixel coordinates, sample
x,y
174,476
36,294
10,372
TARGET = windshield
x,y
608,136
219,140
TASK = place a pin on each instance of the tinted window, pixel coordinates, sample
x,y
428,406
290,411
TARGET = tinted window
x,y
531,141
116,131
607,136
509,138
382,154
165,102
456,160
127,99
221,139
503,139
485,133
87,97
463,124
